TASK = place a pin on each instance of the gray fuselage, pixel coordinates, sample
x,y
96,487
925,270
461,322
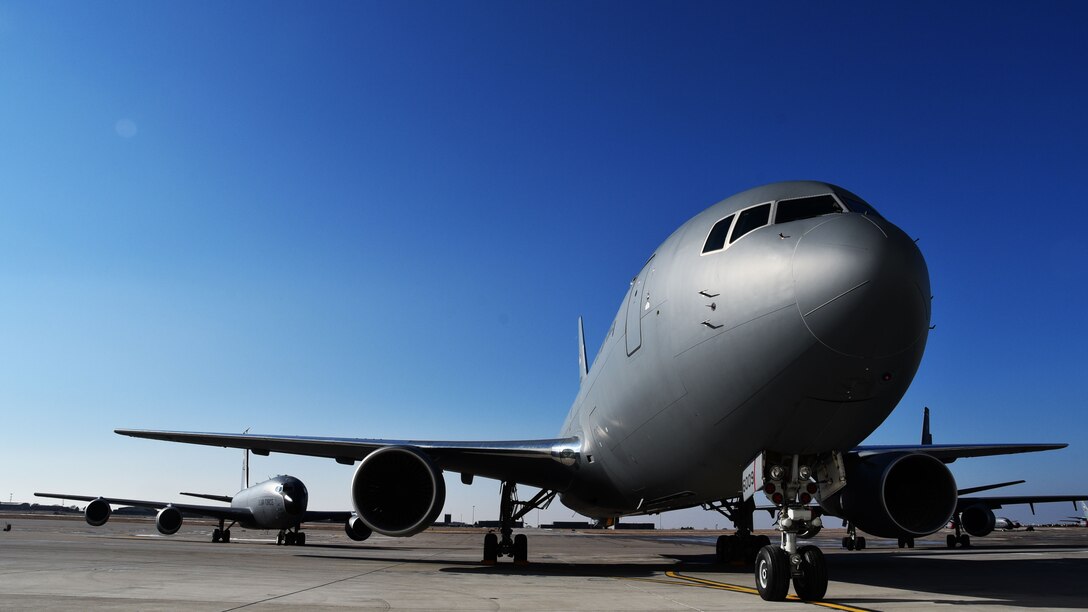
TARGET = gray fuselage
x,y
277,503
800,336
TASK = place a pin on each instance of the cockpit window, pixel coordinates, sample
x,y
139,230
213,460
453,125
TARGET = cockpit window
x,y
716,240
856,205
748,220
806,208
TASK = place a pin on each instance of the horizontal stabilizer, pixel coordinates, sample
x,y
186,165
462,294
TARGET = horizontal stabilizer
x,y
222,498
989,487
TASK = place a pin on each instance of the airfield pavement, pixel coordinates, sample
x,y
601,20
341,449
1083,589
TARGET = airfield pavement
x,y
65,564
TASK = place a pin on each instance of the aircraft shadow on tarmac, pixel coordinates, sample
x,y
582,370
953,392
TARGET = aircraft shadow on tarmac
x,y
949,576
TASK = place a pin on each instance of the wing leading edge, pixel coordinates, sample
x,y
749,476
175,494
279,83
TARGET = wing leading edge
x,y
546,463
950,452
218,512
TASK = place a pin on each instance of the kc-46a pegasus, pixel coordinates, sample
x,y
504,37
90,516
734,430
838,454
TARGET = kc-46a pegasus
x,y
754,350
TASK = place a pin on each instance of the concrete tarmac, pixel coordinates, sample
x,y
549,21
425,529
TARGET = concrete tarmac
x,y
65,564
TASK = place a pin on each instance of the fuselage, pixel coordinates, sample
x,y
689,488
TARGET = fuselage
x,y
277,503
791,317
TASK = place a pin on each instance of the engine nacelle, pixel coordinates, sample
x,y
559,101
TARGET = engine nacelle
x,y
978,520
97,513
168,520
397,491
357,529
906,495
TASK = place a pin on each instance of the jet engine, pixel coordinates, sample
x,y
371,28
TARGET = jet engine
x,y
398,491
978,520
895,495
168,520
97,513
357,529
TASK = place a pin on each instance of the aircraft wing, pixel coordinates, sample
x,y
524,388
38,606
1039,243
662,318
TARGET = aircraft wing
x,y
546,464
997,501
323,516
950,452
223,512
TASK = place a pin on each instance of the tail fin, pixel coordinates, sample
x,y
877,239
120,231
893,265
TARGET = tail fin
x,y
927,439
583,365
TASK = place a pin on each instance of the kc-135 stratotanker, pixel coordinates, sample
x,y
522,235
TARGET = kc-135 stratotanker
x,y
754,351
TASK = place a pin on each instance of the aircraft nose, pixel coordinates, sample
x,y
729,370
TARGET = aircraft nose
x,y
862,289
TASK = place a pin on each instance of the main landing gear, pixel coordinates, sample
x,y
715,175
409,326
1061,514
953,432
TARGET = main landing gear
x,y
852,541
510,511
790,484
287,537
221,534
960,538
742,547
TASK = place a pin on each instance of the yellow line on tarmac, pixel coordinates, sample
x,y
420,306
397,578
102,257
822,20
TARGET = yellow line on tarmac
x,y
736,588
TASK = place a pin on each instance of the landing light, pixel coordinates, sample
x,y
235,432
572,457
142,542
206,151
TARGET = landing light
x,y
777,472
804,472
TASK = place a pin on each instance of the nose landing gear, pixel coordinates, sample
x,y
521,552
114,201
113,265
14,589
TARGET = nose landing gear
x,y
287,537
790,483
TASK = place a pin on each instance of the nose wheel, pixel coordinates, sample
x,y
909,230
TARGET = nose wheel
x,y
291,537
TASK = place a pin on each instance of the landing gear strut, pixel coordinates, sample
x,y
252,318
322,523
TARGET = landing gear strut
x,y
852,541
960,538
510,511
742,547
790,483
287,537
221,534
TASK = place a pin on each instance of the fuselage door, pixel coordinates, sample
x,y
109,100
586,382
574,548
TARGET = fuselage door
x,y
634,310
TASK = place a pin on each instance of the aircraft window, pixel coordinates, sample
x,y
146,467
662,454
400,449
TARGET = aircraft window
x,y
806,208
716,240
748,220
856,205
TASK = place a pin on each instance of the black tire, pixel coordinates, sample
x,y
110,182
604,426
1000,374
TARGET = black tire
x,y
860,545
521,549
279,539
950,541
772,573
491,548
910,542
965,541
216,535
225,538
902,542
301,539
811,583
848,543
289,539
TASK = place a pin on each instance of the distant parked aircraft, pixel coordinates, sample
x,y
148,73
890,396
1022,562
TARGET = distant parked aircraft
x,y
277,503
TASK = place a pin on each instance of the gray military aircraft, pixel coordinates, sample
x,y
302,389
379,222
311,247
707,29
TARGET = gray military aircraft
x,y
755,349
277,503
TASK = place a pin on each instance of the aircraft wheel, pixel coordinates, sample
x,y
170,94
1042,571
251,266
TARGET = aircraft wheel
x,y
910,542
301,539
289,539
772,573
965,540
752,546
902,542
950,541
848,543
726,549
226,536
860,544
811,583
216,535
521,549
491,549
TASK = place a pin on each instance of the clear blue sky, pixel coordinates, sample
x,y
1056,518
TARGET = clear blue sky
x,y
383,220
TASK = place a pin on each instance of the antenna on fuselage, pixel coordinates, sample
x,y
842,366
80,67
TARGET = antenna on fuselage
x,y
927,439
245,464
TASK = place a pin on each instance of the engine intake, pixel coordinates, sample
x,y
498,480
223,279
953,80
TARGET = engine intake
x,y
397,491
168,520
97,513
357,529
906,495
978,520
